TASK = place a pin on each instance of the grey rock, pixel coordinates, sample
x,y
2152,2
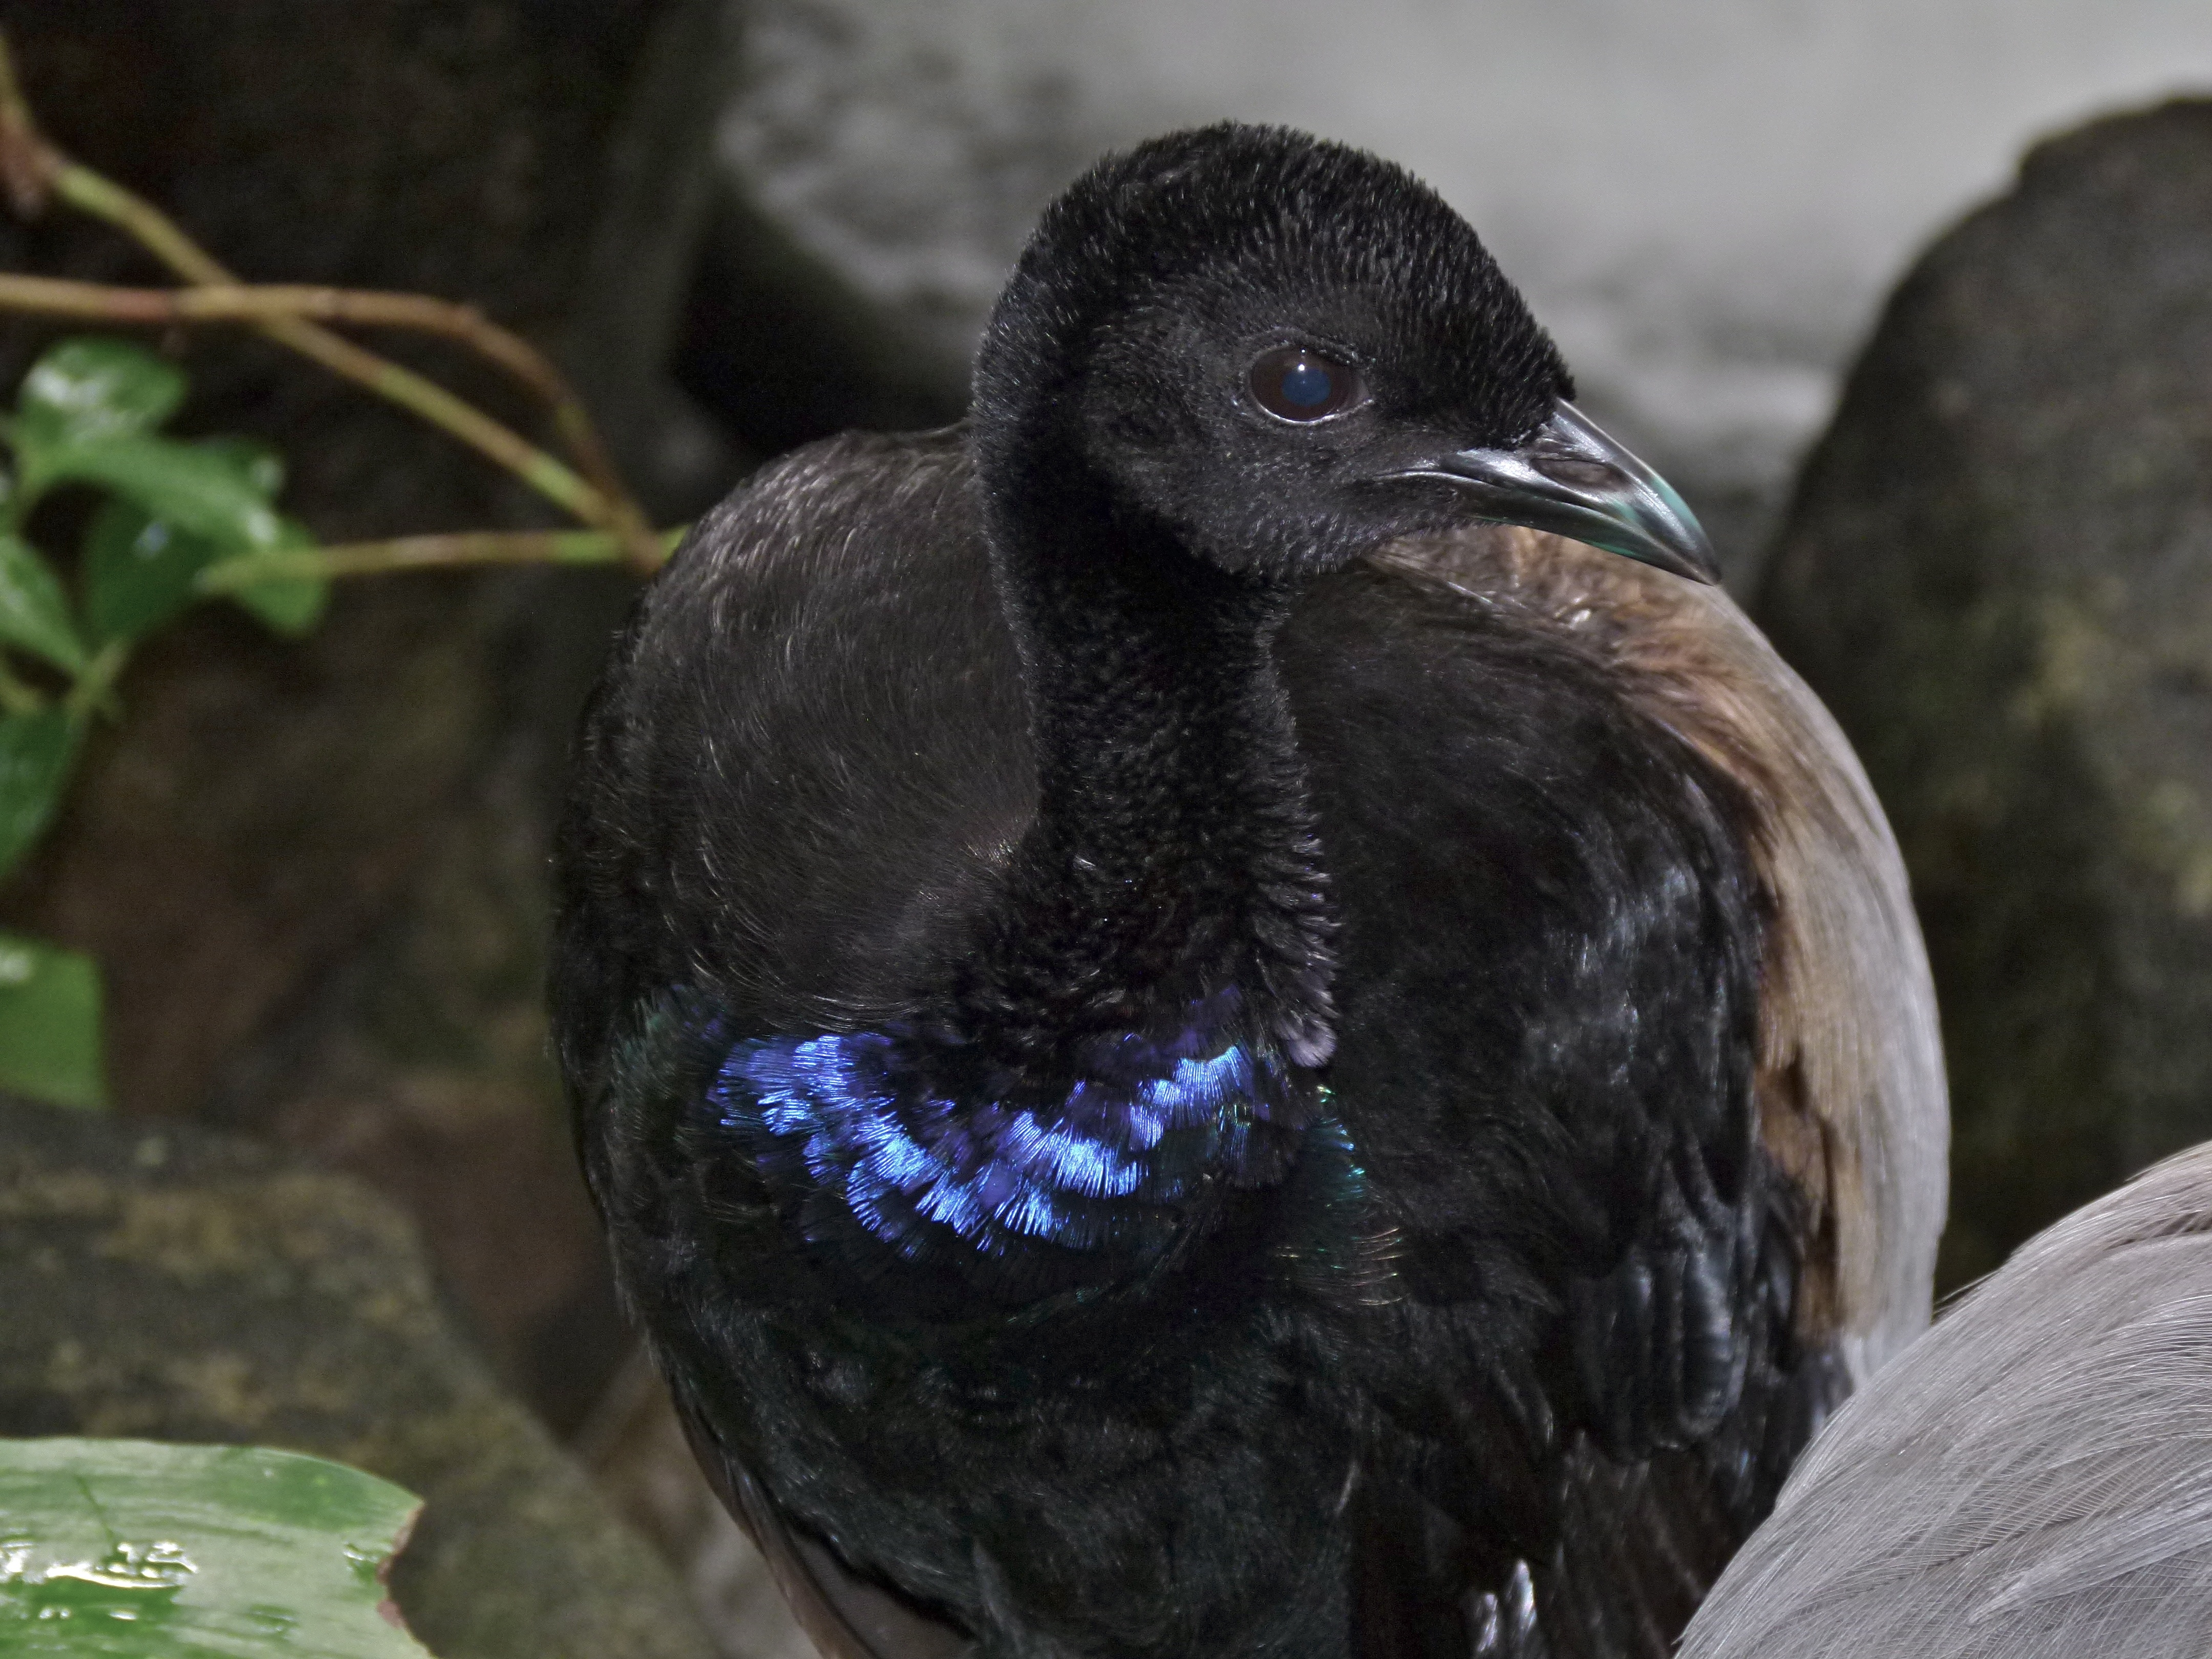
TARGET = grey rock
x,y
1997,571
174,1284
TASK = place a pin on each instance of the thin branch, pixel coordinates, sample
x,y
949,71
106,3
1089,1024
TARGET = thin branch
x,y
23,154
428,553
248,303
86,190
32,168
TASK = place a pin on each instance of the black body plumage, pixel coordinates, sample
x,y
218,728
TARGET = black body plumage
x,y
1163,1082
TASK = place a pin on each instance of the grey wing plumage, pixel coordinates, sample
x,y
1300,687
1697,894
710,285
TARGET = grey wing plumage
x,y
2033,1478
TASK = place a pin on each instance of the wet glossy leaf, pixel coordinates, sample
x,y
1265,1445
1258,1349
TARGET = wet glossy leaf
x,y
126,1548
200,491
92,386
50,1024
36,751
33,612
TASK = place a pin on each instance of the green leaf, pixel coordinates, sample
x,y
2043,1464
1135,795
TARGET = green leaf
x,y
256,463
138,571
288,604
50,1026
90,386
36,753
189,486
127,1549
291,605
33,612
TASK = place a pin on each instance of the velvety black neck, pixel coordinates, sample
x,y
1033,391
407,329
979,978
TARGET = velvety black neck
x,y
1172,863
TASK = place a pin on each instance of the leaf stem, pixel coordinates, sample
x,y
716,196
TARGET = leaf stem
x,y
428,553
255,302
95,689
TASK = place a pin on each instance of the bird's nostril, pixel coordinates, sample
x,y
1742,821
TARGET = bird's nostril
x,y
1580,474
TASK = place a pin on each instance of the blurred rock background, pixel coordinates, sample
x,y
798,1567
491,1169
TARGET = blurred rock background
x,y
1997,570
314,872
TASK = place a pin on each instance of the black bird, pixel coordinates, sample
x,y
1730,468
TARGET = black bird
x,y
2030,1479
1191,1044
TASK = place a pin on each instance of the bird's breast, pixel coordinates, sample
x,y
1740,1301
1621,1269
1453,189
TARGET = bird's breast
x,y
880,1154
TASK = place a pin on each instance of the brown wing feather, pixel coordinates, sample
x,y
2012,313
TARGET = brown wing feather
x,y
1851,1086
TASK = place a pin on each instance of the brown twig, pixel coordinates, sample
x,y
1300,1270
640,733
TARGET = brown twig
x,y
60,297
55,296
33,169
428,553
22,153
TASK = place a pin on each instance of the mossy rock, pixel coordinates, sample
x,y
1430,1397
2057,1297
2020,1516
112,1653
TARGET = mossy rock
x,y
172,1283
1997,571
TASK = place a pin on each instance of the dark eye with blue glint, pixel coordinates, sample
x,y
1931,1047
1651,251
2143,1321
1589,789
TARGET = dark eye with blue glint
x,y
1297,382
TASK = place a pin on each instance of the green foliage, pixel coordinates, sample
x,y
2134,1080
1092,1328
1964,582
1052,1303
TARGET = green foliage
x,y
83,389
89,415
140,562
34,615
50,1023
111,1548
137,571
37,748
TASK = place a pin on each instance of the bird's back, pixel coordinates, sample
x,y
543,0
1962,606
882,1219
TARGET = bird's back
x,y
2032,1478
807,755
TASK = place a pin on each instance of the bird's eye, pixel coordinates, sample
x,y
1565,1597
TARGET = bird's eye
x,y
1297,382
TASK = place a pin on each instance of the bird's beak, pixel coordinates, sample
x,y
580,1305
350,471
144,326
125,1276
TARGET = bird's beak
x,y
1573,480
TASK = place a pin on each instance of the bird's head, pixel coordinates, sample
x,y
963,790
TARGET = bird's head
x,y
1286,353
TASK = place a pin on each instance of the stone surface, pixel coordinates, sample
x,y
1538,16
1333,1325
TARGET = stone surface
x,y
421,1064
1997,571
166,1282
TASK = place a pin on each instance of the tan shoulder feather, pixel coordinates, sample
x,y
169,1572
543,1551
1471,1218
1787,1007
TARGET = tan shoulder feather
x,y
1850,1082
